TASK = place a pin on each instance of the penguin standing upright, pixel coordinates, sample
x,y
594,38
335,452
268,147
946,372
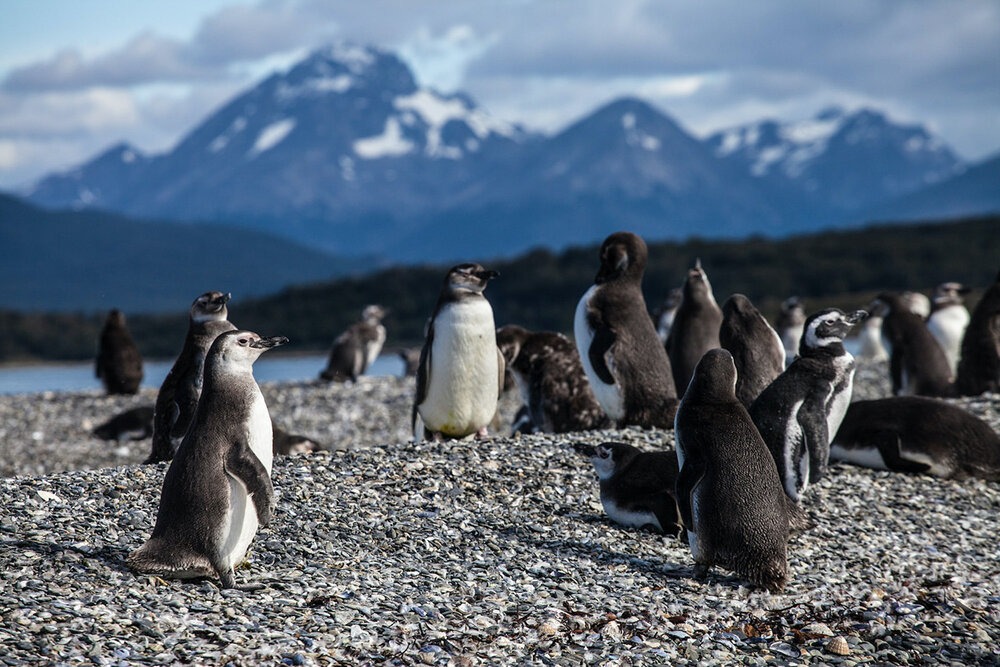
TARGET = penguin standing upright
x,y
178,395
664,315
461,372
917,363
756,348
625,362
357,348
695,329
948,320
979,365
798,413
790,324
546,368
728,491
870,346
217,490
119,362
637,487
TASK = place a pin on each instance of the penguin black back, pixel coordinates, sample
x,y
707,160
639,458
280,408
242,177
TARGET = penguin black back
x,y
695,328
119,362
917,362
756,348
979,366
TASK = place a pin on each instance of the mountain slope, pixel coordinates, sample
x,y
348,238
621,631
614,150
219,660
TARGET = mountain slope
x,y
87,261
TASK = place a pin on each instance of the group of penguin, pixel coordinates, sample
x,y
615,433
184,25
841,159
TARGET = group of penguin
x,y
752,430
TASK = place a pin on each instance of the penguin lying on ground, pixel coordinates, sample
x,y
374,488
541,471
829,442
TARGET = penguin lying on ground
x,y
134,424
917,434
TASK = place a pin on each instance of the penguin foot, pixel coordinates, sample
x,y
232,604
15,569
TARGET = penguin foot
x,y
483,435
701,571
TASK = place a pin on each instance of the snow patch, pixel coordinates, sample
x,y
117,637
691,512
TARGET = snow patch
x,y
317,86
271,136
731,142
355,58
223,139
346,167
636,137
390,143
129,156
437,111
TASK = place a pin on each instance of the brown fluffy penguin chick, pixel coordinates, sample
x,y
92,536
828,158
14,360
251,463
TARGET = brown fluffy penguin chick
x,y
730,498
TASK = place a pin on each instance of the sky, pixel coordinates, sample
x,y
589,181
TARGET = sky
x,y
77,77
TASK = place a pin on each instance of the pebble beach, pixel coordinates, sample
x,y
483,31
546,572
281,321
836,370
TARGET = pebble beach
x,y
384,551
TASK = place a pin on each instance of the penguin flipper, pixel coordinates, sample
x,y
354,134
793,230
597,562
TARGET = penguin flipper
x,y
664,507
890,447
423,375
502,368
896,370
816,442
688,479
600,353
243,464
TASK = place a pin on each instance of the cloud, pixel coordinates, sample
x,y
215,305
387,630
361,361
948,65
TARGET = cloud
x,y
441,61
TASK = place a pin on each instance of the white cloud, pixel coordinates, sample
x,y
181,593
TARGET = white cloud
x,y
441,62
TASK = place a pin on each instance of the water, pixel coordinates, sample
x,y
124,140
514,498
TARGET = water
x,y
80,376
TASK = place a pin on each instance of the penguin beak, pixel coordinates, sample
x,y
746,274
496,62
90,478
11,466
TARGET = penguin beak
x,y
857,316
584,449
486,275
268,343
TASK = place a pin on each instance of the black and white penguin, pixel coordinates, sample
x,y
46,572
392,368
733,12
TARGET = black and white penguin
x,y
119,362
695,329
550,378
728,491
179,392
461,372
133,424
920,435
789,325
756,348
948,319
357,348
870,346
979,365
663,316
798,413
917,363
637,487
217,490
626,365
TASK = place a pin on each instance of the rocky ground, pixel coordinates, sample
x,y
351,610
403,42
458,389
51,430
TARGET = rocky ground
x,y
468,553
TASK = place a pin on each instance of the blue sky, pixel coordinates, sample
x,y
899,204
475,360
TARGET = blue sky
x,y
76,77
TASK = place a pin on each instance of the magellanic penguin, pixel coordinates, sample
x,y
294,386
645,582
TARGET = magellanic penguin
x,y
357,348
695,329
550,378
625,363
217,490
637,487
756,348
461,372
663,316
799,412
790,324
178,395
917,363
919,435
948,319
133,424
119,362
979,365
728,491
285,443
870,347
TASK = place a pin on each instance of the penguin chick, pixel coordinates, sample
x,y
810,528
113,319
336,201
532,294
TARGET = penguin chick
x,y
356,349
461,372
728,491
790,324
948,320
119,362
695,329
217,490
637,487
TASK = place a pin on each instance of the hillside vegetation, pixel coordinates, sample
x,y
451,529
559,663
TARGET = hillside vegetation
x,y
540,289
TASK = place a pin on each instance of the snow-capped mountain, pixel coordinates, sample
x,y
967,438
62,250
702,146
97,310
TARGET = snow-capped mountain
x,y
346,153
844,160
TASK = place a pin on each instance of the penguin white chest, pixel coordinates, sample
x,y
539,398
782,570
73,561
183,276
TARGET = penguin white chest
x,y
608,395
243,522
463,378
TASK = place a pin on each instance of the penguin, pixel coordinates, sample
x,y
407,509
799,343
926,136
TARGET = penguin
x,y
357,348
411,360
916,303
217,490
663,317
695,329
285,443
948,319
119,362
179,392
728,491
870,347
918,435
625,363
917,363
550,378
979,364
133,424
637,487
756,348
789,326
798,413
461,372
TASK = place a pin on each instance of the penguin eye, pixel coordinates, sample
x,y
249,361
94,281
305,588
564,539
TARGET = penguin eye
x,y
244,341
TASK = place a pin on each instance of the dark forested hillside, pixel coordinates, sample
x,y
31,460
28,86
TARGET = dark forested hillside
x,y
540,289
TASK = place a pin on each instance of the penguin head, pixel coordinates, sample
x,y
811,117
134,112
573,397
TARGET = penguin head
x,y
697,282
468,278
829,327
239,349
374,313
608,457
623,254
510,338
947,294
210,306
714,378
